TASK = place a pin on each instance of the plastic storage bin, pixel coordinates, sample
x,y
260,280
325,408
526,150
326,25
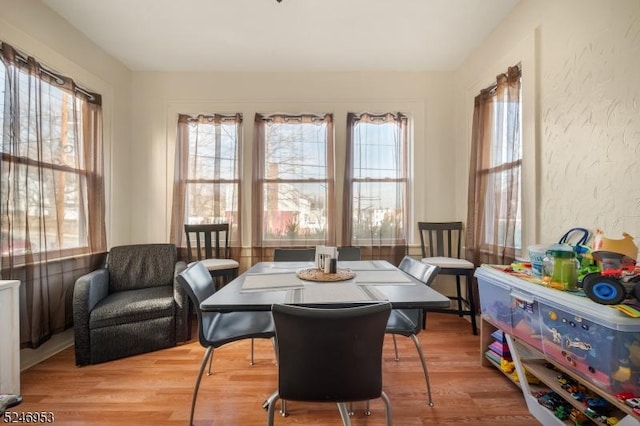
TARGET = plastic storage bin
x,y
509,307
595,341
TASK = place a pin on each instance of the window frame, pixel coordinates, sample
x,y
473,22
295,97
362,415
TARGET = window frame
x,y
260,180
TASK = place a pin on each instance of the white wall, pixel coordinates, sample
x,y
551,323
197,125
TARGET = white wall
x,y
583,58
159,97
39,32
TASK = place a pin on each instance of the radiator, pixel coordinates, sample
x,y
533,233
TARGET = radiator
x,y
9,337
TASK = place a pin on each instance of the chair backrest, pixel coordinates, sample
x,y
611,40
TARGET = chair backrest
x,y
197,282
349,253
444,239
419,270
207,241
294,254
330,355
139,266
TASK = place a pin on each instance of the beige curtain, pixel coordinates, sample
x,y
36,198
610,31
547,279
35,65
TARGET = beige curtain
x,y
52,205
206,184
293,182
375,201
493,218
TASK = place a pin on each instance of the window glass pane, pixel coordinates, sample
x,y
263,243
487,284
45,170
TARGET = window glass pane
x,y
213,151
212,202
296,151
375,210
295,211
377,154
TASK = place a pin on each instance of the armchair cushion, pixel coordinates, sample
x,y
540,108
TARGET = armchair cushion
x,y
130,306
141,266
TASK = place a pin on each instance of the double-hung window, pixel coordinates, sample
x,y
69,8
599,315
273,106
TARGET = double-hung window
x,y
293,180
51,191
207,174
376,180
494,233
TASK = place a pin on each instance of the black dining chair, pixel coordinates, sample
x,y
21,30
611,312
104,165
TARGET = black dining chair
x,y
294,254
409,322
216,329
210,244
330,355
442,246
349,253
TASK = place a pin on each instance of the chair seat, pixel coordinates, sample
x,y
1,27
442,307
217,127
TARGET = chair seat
x,y
219,264
219,329
449,262
404,322
131,306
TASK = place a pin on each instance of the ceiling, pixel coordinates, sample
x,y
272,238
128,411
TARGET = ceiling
x,y
293,35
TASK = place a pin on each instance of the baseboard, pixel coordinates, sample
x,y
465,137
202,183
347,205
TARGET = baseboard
x,y
57,343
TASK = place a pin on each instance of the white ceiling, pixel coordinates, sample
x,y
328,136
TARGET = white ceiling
x,y
294,35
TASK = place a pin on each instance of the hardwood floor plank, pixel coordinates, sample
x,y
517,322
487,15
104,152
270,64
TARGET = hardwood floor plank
x,y
155,389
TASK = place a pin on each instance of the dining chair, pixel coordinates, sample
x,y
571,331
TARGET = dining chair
x,y
216,329
441,246
294,254
349,253
330,355
409,322
209,243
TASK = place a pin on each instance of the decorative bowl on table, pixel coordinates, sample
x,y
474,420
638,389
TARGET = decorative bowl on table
x,y
315,274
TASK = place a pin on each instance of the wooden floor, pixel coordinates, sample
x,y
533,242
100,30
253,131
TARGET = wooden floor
x,y
156,388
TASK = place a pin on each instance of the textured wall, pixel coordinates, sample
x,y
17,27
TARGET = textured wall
x,y
590,118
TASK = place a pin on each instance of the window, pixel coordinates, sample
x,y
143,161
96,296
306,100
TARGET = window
x,y
293,179
494,233
208,172
376,179
52,197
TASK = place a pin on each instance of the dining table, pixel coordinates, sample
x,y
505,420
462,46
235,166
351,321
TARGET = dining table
x,y
354,283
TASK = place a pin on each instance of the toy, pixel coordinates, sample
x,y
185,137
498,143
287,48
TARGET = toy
x,y
618,277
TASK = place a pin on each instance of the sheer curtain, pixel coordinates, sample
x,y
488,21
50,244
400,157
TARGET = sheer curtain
x,y
52,200
206,185
494,199
293,182
375,202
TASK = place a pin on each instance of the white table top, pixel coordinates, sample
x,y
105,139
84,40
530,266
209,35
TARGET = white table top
x,y
267,283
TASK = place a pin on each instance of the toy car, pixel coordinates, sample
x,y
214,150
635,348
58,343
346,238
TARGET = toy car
x,y
633,402
618,277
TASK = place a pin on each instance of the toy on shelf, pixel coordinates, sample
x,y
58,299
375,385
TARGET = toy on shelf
x,y
618,277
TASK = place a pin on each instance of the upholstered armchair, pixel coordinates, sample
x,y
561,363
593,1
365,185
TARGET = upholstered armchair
x,y
132,305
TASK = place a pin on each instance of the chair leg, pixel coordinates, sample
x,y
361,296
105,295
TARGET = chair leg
x,y
459,290
207,356
424,367
271,407
275,349
395,348
472,303
283,408
387,404
344,413
367,410
209,372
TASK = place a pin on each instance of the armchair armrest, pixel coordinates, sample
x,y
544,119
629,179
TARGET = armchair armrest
x,y
89,289
183,323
